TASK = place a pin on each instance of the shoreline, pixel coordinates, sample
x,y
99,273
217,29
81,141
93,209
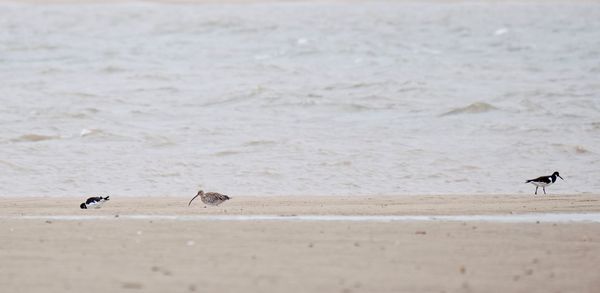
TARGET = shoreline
x,y
158,254
243,2
537,218
429,205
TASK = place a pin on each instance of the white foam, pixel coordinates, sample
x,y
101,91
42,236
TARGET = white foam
x,y
513,218
500,31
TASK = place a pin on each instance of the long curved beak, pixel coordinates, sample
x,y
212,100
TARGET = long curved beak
x,y
193,199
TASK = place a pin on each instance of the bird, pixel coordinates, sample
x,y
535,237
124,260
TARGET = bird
x,y
210,198
544,181
94,202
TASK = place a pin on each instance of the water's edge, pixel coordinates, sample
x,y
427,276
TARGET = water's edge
x,y
513,218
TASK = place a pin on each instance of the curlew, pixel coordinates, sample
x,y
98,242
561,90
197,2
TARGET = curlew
x,y
210,198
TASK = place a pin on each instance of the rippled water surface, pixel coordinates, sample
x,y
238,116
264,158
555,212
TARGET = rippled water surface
x,y
298,98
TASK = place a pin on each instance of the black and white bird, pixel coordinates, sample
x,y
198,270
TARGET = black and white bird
x,y
210,198
94,202
544,181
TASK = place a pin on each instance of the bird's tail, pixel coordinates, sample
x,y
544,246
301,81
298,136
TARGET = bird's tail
x,y
528,181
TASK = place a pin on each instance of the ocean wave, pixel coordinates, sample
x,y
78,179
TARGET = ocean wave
x,y
580,150
158,140
357,85
100,134
470,167
572,149
112,69
170,174
269,172
336,164
34,138
90,132
14,166
354,107
259,143
332,106
226,153
475,108
76,115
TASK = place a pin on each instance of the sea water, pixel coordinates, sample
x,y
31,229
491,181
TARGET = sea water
x,y
302,98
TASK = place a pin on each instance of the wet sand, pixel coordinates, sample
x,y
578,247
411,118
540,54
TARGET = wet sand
x,y
313,205
290,1
125,255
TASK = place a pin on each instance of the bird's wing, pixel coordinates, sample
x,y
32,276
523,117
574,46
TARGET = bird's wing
x,y
93,199
545,179
218,195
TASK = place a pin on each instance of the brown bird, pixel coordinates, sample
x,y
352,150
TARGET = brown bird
x,y
211,198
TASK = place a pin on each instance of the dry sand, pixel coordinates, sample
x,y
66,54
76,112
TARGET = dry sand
x,y
125,255
295,1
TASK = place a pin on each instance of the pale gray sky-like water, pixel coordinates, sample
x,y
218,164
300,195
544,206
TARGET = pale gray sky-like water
x,y
298,98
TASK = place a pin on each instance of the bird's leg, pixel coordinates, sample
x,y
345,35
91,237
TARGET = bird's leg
x,y
544,188
536,190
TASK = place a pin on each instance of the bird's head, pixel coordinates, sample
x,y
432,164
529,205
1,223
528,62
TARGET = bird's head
x,y
83,206
200,194
557,175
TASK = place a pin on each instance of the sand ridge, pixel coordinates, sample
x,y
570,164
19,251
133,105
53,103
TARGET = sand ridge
x,y
216,256
289,1
312,205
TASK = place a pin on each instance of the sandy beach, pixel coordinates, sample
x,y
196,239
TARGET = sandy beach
x,y
271,100
120,254
313,205
288,1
